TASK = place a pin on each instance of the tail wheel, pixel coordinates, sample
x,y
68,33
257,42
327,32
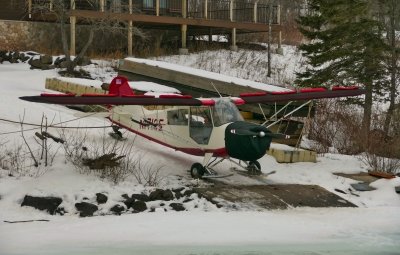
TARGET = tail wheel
x,y
254,167
197,171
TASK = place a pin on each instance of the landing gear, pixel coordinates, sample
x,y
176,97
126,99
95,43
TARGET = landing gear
x,y
117,135
254,168
197,171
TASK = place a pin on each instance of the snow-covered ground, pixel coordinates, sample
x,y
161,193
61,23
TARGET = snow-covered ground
x,y
372,228
246,64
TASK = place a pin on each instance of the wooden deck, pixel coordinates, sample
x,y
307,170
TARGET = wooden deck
x,y
244,15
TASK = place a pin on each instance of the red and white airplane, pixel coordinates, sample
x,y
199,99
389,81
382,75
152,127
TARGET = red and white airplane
x,y
208,127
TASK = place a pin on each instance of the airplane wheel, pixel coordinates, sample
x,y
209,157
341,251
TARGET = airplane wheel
x,y
254,167
197,171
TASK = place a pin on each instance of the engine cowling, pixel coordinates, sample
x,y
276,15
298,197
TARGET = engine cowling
x,y
247,141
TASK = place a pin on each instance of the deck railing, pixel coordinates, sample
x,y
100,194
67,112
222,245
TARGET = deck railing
x,y
234,10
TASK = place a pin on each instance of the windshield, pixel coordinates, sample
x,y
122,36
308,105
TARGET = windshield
x,y
224,112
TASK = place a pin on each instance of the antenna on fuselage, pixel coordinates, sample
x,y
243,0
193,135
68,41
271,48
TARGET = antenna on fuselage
x,y
216,89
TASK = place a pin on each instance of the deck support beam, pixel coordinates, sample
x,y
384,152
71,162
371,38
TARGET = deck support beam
x,y
233,46
205,9
130,31
183,50
72,20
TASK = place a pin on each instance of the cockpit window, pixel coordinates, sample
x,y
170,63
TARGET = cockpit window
x,y
225,112
200,126
178,117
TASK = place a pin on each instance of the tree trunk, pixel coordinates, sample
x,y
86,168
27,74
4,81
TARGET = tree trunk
x,y
269,38
392,67
367,110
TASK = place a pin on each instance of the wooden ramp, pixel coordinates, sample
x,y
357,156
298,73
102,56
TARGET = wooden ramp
x,y
281,196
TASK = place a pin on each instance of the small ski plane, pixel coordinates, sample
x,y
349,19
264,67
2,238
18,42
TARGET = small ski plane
x,y
208,127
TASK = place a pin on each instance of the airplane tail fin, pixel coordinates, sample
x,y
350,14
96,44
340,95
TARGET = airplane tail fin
x,y
119,86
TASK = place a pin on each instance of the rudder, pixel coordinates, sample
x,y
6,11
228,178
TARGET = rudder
x,y
119,86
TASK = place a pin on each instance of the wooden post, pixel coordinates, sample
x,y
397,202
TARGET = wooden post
x,y
102,4
205,9
157,7
130,31
183,50
51,5
30,8
255,12
234,47
184,8
72,50
278,15
231,10
279,50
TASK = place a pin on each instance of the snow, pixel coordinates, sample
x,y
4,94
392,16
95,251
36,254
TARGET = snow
x,y
372,228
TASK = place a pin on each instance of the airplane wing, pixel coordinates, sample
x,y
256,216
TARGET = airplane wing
x,y
301,94
177,100
107,99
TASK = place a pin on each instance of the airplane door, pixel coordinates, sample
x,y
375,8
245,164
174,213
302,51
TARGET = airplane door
x,y
200,124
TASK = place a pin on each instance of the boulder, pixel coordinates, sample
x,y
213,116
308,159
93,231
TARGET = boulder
x,y
58,61
160,194
141,197
177,206
49,204
35,64
101,198
46,59
129,202
139,206
117,209
86,209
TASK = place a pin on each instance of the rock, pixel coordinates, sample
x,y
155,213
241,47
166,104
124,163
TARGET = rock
x,y
139,206
187,200
129,202
86,209
64,64
117,209
46,59
61,211
178,192
49,204
177,206
24,58
35,64
101,198
58,61
160,194
126,196
141,197
188,192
